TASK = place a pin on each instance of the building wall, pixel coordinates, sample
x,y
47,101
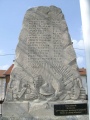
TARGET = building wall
x,y
2,87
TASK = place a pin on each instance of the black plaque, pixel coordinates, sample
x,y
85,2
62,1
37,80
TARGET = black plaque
x,y
70,109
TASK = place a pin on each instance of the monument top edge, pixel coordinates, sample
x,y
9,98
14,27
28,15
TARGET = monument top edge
x,y
48,8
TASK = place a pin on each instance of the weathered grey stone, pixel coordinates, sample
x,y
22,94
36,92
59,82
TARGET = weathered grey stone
x,y
45,58
16,109
45,69
37,111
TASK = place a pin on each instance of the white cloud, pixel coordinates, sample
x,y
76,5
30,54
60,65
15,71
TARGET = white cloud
x,y
4,67
80,52
80,60
78,44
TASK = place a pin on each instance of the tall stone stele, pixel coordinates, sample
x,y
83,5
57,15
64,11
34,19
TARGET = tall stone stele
x,y
45,71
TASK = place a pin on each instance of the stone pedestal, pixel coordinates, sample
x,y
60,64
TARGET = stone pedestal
x,y
37,111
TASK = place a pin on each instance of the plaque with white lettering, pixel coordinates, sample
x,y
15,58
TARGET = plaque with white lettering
x,y
70,109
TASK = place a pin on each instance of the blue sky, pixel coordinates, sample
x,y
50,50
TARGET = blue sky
x,y
11,17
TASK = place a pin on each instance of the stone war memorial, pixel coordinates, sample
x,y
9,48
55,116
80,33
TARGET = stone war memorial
x,y
45,83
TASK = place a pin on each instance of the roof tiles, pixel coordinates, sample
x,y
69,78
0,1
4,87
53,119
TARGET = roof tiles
x,y
2,73
8,71
82,71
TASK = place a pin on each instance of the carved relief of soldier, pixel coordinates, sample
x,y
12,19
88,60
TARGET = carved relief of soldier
x,y
51,91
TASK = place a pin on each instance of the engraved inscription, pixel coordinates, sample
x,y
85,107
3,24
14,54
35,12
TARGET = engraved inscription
x,y
43,43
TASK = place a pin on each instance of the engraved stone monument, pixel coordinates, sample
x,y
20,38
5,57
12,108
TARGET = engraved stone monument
x,y
45,73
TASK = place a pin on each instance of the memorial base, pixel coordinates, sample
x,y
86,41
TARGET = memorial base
x,y
85,117
37,110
